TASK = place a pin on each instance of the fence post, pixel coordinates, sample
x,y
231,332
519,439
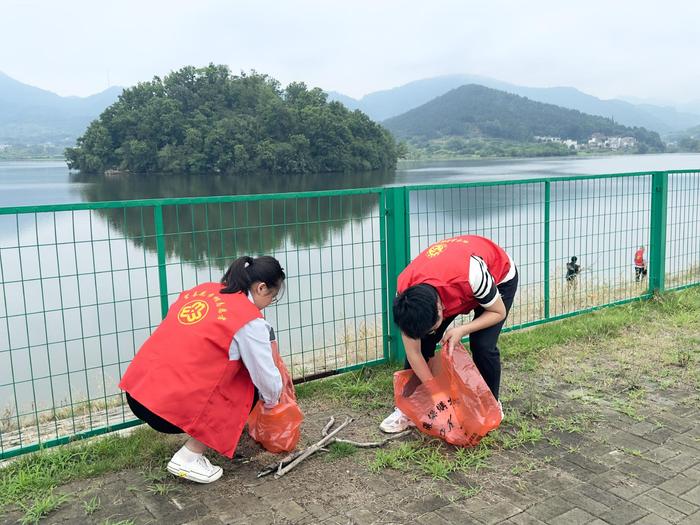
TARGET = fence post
x,y
657,241
397,257
160,245
547,190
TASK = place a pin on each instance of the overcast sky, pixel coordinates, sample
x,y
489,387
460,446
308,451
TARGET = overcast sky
x,y
645,49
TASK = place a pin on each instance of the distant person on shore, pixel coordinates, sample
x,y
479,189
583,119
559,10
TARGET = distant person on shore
x,y
202,369
640,264
455,276
572,272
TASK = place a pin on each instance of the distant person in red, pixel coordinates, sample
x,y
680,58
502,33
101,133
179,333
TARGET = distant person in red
x,y
201,369
640,264
455,276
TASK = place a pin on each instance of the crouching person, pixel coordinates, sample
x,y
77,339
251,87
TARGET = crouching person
x,y
200,370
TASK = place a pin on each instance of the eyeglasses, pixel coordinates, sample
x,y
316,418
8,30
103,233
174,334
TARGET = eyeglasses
x,y
277,297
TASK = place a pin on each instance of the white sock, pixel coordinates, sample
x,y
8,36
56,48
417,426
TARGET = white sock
x,y
185,455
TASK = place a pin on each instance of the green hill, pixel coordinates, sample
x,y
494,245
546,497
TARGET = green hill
x,y
688,140
477,113
209,121
381,105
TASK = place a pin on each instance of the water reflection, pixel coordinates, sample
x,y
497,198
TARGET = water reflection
x,y
213,234
154,186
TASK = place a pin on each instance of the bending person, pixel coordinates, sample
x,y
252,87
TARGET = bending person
x,y
452,277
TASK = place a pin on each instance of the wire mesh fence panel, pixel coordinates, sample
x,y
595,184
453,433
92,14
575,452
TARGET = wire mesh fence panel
x,y
330,314
683,230
511,215
77,300
601,222
81,289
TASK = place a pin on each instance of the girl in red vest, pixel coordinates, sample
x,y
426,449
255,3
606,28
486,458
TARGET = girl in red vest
x,y
198,372
452,277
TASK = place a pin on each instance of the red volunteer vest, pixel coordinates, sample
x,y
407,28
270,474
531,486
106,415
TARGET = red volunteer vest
x,y
445,265
639,258
183,373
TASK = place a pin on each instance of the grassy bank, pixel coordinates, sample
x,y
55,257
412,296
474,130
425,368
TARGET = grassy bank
x,y
559,380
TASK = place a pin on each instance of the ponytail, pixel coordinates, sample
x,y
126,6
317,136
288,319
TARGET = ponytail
x,y
246,270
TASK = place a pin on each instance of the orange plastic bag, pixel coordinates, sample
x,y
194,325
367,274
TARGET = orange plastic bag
x,y
456,405
277,429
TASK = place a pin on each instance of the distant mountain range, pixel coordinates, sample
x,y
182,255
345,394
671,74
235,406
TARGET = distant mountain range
x,y
382,105
476,112
29,115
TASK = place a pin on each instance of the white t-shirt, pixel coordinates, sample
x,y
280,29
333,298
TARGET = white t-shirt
x,y
251,344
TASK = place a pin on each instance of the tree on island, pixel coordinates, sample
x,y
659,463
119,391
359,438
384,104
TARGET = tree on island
x,y
209,121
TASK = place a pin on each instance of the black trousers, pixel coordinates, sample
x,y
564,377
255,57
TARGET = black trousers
x,y
156,422
483,344
640,272
153,420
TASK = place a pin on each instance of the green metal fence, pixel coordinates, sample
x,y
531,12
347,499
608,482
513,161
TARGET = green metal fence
x,y
82,286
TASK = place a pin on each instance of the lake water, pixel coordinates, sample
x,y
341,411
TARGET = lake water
x,y
80,289
49,182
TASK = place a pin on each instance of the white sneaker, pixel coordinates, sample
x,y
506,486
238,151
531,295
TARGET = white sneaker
x,y
194,467
396,422
500,409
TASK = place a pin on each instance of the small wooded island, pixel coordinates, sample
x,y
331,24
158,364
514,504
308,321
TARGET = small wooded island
x,y
207,120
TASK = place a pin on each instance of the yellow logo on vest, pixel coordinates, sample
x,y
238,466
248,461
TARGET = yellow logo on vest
x,y
436,249
193,312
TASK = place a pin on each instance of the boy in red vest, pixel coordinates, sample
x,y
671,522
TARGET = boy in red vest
x,y
640,265
452,277
198,372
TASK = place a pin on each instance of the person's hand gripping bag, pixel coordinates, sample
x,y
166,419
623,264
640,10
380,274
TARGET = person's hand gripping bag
x,y
277,429
456,405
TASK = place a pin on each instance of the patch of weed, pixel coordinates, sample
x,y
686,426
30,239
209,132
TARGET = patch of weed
x,y
398,458
161,489
469,492
340,450
628,408
632,452
435,464
92,505
523,466
467,459
41,507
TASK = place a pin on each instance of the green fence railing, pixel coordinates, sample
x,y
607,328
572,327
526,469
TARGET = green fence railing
x,y
83,285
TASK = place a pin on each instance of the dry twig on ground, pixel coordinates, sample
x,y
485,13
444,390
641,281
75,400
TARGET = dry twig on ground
x,y
292,460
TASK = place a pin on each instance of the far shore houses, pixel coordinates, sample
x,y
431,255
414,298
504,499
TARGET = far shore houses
x,y
597,141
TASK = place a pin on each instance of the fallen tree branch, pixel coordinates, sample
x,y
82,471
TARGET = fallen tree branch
x,y
280,468
269,469
278,465
373,444
281,471
328,426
